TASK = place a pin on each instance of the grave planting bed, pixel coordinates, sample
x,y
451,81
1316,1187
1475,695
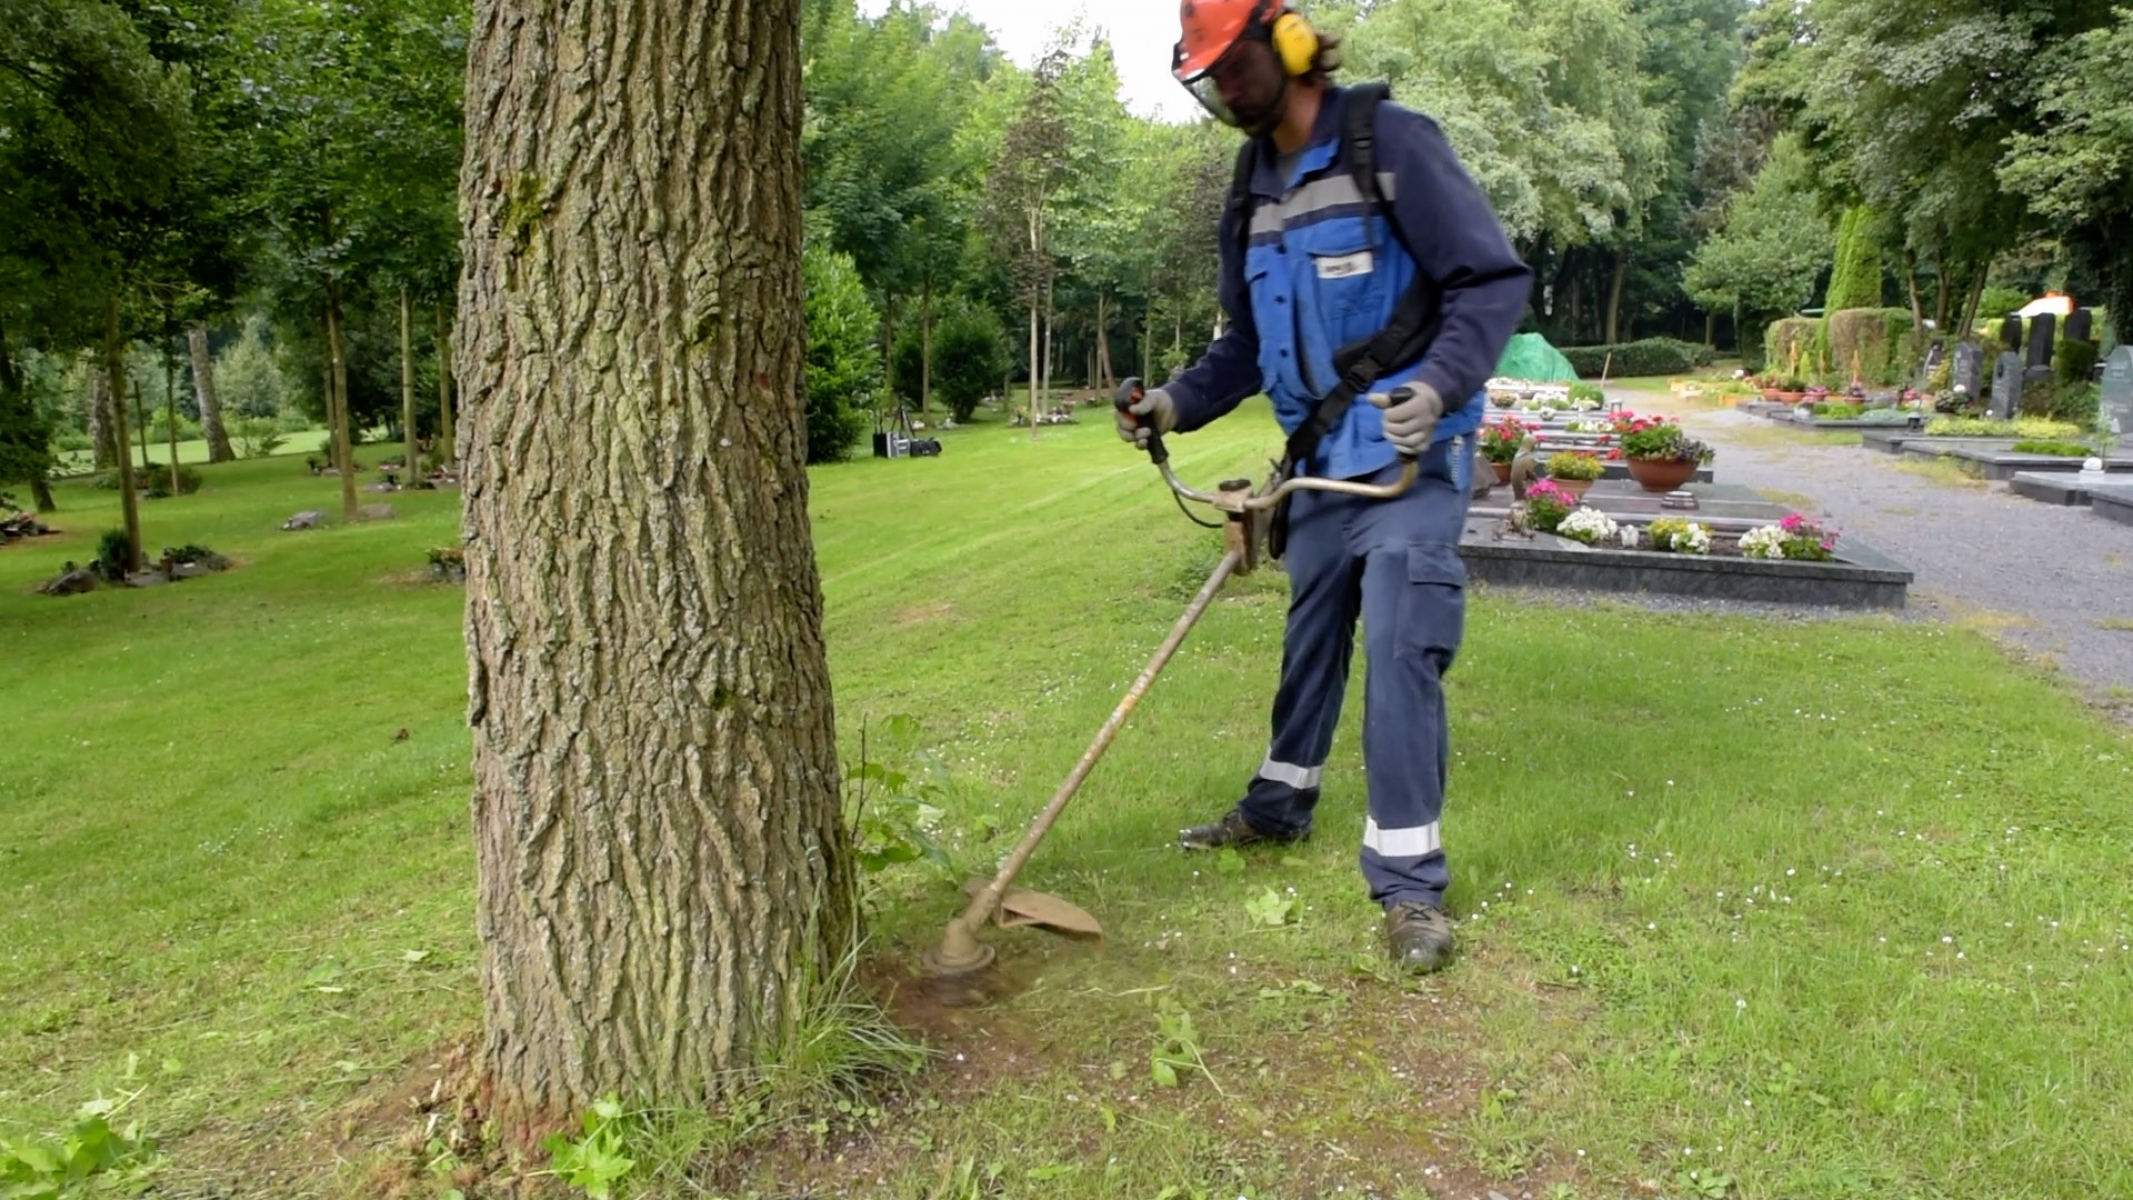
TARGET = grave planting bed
x,y
1858,577
1995,458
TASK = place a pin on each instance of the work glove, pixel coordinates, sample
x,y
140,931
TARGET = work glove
x,y
1411,412
1143,412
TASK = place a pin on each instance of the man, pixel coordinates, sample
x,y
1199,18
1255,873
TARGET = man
x,y
1322,271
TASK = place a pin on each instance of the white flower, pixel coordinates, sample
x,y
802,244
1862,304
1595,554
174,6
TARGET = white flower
x,y
1767,541
1588,525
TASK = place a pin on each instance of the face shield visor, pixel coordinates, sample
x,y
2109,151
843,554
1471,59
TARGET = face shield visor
x,y
1243,87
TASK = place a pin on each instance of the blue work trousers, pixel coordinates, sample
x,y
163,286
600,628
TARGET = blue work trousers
x,y
1395,564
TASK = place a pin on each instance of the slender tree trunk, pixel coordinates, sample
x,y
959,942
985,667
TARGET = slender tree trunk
x,y
101,435
1103,341
140,426
343,444
1918,312
925,348
1710,331
445,421
1049,322
1977,295
219,449
115,366
410,462
1614,297
659,839
170,398
1033,353
1940,291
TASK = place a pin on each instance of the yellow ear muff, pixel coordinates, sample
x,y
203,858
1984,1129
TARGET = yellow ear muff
x,y
1296,43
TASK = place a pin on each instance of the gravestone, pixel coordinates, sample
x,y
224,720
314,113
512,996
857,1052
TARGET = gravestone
x,y
2011,334
2006,387
1968,374
2115,402
2041,330
2079,324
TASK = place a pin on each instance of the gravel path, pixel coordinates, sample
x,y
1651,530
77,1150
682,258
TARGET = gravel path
x,y
2050,581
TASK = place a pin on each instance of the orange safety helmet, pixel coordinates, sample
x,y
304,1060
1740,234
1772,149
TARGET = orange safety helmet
x,y
1208,28
1212,38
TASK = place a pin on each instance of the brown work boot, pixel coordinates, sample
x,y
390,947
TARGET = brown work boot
x,y
1232,830
1420,936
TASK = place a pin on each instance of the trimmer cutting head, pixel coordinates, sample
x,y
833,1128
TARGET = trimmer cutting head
x,y
955,970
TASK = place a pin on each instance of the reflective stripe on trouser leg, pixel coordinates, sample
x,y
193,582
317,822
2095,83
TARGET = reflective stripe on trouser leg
x,y
1315,651
1414,616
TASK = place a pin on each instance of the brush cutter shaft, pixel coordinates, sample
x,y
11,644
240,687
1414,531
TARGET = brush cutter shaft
x,y
982,905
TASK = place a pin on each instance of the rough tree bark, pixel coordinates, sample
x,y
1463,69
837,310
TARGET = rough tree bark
x,y
659,840
101,432
211,427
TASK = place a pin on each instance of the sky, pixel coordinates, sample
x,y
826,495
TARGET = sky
x,y
1141,33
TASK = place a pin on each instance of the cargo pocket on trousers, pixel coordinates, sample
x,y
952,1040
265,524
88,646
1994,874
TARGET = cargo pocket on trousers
x,y
1435,604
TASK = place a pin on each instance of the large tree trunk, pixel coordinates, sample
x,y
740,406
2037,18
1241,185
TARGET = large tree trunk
x,y
211,427
115,366
659,837
445,427
410,462
337,359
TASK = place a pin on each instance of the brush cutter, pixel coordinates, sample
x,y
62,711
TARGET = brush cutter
x,y
955,966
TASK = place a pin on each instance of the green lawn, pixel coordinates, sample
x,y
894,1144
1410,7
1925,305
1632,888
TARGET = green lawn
x,y
194,451
1752,908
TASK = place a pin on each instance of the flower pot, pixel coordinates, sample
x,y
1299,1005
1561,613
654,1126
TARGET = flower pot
x,y
1661,474
1503,471
1792,397
1576,487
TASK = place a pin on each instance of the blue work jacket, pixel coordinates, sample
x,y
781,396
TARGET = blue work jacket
x,y
1321,270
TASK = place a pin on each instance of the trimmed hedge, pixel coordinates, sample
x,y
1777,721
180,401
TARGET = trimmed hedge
x,y
1650,356
1786,336
1880,338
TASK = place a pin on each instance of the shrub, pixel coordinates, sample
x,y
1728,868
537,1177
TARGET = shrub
x,y
843,363
1650,356
1837,412
1588,393
256,437
154,481
1575,465
969,358
2075,362
2074,403
2024,427
111,551
2048,446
